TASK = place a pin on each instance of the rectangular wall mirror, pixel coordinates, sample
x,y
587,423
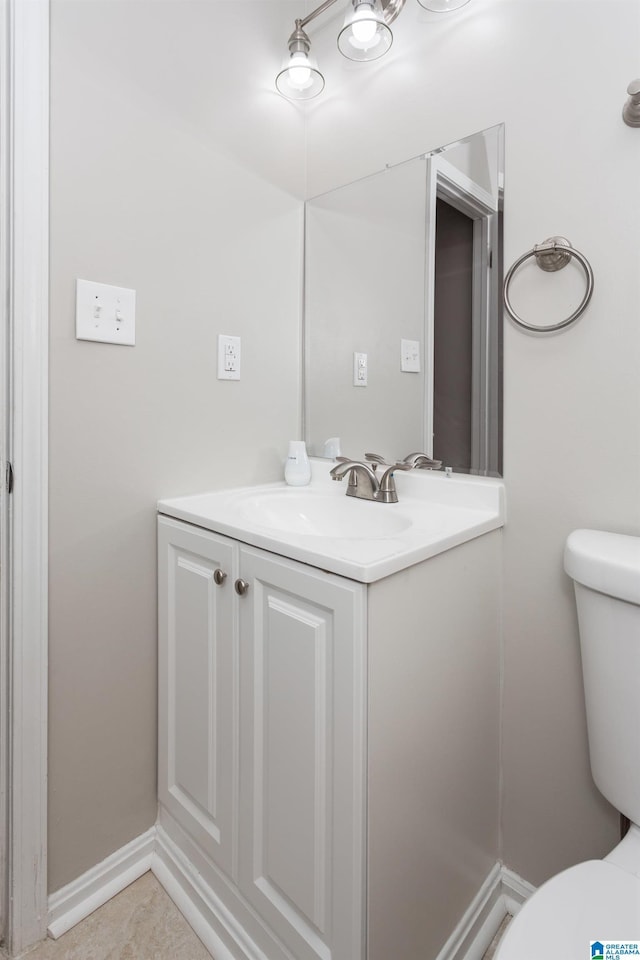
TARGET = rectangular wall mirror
x,y
403,310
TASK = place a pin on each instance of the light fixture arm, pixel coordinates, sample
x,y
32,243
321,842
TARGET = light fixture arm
x,y
314,13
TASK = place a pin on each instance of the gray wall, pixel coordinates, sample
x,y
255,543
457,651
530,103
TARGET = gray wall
x,y
176,171
572,428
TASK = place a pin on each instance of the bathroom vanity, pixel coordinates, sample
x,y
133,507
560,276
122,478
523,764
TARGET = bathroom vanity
x,y
328,698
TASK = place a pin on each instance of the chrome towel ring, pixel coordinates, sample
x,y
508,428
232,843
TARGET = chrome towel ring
x,y
551,255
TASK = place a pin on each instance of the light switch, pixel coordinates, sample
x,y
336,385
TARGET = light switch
x,y
360,370
228,357
105,313
410,356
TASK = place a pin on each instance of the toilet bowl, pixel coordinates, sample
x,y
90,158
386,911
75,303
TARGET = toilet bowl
x,y
598,900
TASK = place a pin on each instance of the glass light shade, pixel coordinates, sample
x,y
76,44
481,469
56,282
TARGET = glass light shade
x,y
442,6
365,35
299,78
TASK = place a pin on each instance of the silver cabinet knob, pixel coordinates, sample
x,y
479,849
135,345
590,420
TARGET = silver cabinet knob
x,y
219,577
241,587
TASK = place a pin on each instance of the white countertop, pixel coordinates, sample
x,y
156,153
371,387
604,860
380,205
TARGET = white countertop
x,y
319,525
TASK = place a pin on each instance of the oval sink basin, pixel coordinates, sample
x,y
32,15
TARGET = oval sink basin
x,y
318,515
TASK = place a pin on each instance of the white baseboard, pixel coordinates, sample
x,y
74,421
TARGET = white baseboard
x,y
81,897
477,927
515,890
501,893
207,916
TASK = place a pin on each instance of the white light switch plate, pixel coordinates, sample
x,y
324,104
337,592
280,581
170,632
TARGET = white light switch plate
x,y
105,313
410,356
228,357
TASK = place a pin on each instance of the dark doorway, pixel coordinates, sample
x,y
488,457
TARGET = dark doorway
x,y
453,337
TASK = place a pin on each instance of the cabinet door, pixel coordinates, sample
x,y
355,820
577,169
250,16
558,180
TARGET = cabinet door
x,y
302,755
197,767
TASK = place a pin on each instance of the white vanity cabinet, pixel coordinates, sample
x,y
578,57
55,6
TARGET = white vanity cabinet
x,y
261,743
197,670
329,749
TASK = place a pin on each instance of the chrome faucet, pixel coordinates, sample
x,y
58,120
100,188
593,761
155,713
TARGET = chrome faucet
x,y
363,482
422,461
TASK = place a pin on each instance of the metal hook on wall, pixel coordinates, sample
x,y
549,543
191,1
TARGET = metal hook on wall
x,y
631,109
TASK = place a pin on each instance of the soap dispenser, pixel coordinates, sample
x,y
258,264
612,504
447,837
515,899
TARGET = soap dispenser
x,y
297,469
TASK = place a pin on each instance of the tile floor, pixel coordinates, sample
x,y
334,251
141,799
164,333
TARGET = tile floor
x,y
141,923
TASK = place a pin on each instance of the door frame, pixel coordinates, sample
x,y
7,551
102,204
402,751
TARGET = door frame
x,y
446,182
24,221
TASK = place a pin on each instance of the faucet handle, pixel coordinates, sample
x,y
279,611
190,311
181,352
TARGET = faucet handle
x,y
376,458
392,467
422,461
387,492
340,470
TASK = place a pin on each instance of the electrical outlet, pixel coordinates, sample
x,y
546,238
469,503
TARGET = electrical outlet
x,y
360,370
228,357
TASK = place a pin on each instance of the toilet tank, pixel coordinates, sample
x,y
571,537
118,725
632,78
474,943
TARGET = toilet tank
x,y
605,568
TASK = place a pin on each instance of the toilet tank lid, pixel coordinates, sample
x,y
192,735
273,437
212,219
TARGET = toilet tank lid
x,y
608,562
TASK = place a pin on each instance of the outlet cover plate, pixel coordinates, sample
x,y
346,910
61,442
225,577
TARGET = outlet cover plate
x,y
410,356
228,357
360,370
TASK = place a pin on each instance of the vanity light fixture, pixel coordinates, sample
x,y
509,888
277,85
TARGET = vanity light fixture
x,y
299,78
366,35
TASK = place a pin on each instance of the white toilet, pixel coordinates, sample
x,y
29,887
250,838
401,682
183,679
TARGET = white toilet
x,y
599,899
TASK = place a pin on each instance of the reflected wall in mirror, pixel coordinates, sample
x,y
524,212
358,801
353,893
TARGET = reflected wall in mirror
x,y
403,310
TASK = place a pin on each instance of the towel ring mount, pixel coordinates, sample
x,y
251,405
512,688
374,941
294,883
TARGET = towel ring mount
x,y
551,255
